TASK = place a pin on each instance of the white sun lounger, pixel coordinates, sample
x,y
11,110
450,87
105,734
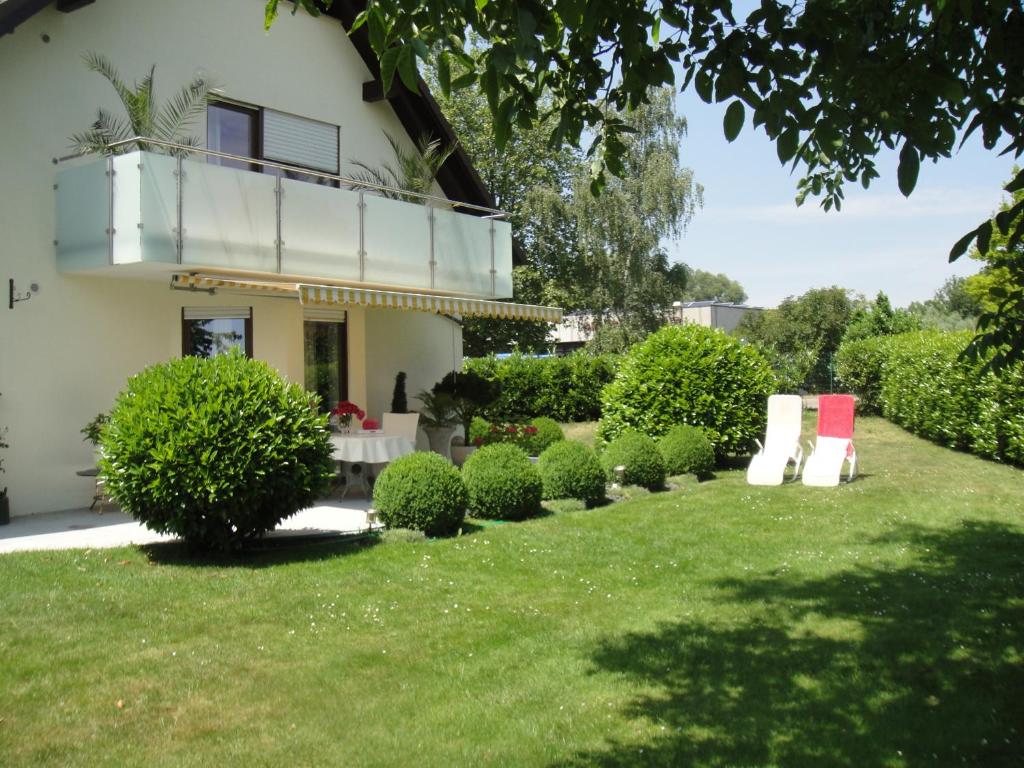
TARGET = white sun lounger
x,y
781,442
834,445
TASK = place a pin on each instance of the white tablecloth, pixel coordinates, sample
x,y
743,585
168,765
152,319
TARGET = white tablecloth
x,y
370,449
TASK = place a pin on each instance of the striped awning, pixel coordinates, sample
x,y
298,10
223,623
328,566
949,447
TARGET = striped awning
x,y
330,295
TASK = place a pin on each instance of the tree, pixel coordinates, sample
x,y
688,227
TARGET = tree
x,y
999,287
878,318
952,308
143,117
831,84
801,335
706,286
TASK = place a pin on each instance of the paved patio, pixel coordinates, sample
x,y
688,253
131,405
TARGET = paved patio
x,y
81,528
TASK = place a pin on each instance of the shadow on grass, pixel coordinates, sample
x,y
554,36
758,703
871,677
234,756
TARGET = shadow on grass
x,y
263,553
917,665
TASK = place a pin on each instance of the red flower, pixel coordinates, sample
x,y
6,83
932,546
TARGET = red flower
x,y
511,429
478,441
346,408
530,430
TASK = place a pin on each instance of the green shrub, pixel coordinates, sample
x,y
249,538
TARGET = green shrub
x,y
502,483
919,381
217,451
547,433
421,491
689,374
479,428
639,455
860,366
571,470
687,451
561,388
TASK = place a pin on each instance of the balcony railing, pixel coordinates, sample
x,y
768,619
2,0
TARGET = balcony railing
x,y
152,207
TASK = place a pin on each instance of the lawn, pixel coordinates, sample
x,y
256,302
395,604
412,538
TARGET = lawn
x,y
880,623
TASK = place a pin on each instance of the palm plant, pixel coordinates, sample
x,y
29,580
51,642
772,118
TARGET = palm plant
x,y
411,171
143,117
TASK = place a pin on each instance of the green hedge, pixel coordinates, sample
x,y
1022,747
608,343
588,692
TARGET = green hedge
x,y
688,374
217,451
687,451
859,368
561,388
571,470
421,491
639,455
502,483
920,383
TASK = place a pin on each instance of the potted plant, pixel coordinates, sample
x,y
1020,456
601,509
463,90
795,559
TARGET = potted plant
x,y
93,431
399,404
341,415
5,501
438,417
470,393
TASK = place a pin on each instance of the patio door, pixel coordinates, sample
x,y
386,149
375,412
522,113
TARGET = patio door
x,y
326,358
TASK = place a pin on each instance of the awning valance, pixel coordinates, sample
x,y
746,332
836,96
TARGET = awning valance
x,y
331,295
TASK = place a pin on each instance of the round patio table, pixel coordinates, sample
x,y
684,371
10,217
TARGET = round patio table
x,y
367,448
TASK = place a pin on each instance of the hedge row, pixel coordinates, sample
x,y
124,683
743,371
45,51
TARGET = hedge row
x,y
917,380
562,388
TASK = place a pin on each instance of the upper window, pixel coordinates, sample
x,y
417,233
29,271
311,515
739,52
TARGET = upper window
x,y
266,134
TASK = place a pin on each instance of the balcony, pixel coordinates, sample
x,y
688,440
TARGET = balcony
x,y
146,212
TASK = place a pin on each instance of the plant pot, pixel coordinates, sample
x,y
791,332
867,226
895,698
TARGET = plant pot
x,y
440,438
5,509
460,453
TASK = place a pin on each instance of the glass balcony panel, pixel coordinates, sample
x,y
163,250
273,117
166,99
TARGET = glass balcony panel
x,y
397,242
462,250
503,259
320,229
82,211
159,208
229,218
127,248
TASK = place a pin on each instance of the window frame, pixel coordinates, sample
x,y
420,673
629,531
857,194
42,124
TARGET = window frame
x,y
186,336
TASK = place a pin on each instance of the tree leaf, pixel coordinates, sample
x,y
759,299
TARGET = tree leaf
x,y
444,74
960,246
702,82
733,121
910,165
388,65
787,143
407,68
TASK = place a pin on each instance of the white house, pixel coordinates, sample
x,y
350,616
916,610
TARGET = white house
x,y
112,264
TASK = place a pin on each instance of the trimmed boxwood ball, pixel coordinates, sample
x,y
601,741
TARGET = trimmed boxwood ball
x,y
548,433
687,451
217,451
689,374
571,470
503,484
639,455
421,491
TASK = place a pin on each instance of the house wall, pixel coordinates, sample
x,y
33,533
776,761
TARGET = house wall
x,y
66,352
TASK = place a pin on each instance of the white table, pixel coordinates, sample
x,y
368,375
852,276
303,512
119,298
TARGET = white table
x,y
368,448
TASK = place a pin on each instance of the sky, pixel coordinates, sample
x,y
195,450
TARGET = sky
x,y
751,229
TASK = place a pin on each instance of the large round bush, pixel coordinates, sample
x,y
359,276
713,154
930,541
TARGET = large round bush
x,y
571,470
687,451
546,432
421,491
689,374
502,482
216,451
639,455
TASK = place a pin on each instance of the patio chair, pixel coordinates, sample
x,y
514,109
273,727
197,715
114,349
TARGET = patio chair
x,y
402,425
781,442
834,444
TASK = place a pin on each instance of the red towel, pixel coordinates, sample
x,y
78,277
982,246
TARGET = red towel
x,y
835,416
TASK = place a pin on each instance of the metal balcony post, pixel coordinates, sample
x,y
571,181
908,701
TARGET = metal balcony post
x,y
179,192
433,262
278,243
362,238
110,209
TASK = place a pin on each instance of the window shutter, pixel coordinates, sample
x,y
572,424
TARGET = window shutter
x,y
300,141
216,313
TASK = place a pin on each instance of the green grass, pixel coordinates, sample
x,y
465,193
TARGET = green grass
x,y
879,623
